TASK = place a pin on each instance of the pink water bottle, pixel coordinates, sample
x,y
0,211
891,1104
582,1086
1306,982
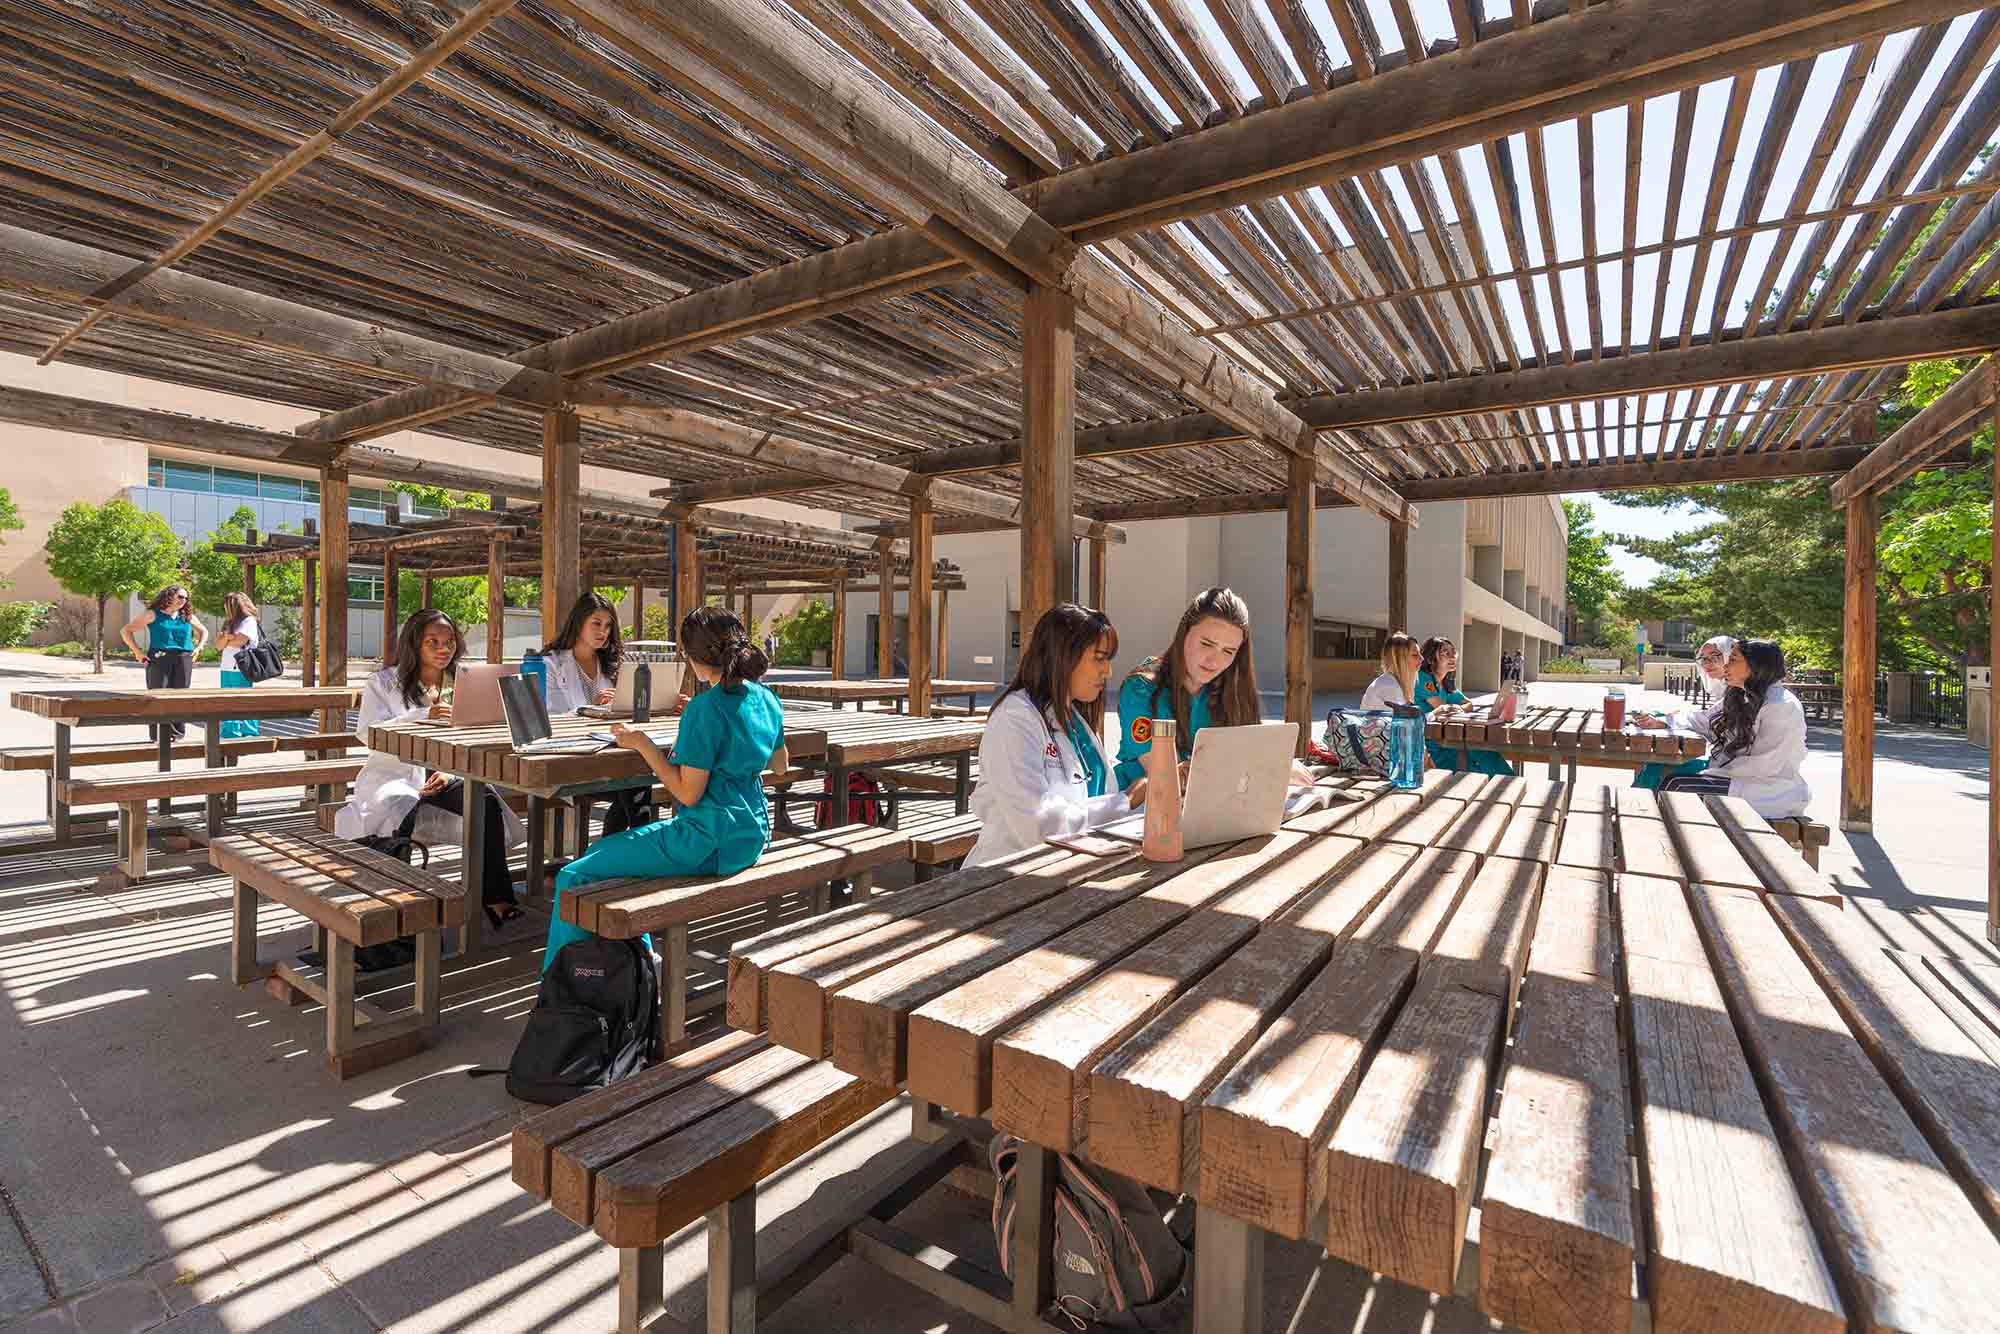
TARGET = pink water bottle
x,y
1162,842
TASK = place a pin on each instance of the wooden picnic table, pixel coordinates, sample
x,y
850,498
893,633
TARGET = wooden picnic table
x,y
1307,1033
1564,737
883,690
99,706
815,738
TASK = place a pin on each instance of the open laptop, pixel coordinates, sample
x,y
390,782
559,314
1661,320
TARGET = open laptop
x,y
1238,780
528,720
475,693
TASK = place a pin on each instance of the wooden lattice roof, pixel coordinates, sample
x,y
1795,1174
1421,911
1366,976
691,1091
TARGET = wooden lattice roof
x,y
1368,224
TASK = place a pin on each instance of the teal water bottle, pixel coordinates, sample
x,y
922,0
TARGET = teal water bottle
x,y
532,665
1406,746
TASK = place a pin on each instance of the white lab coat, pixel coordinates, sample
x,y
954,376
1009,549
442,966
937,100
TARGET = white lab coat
x,y
1382,692
567,690
386,788
1032,785
1768,775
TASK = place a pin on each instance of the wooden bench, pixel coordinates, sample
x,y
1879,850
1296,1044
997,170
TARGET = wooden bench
x,y
131,793
665,906
353,897
939,843
1805,834
692,1137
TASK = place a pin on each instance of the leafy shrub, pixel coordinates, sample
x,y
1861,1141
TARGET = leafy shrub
x,y
806,631
73,619
287,635
18,620
656,624
1563,667
68,648
209,654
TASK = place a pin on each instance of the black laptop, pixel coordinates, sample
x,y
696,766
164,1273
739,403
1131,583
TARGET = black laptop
x,y
528,720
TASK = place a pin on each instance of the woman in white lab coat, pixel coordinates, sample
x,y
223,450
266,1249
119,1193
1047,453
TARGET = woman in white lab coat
x,y
1757,736
392,797
583,664
1043,771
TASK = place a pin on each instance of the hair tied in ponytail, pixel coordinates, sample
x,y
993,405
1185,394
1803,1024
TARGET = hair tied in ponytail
x,y
714,637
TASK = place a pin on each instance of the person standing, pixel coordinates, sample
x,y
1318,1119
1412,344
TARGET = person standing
x,y
239,631
173,637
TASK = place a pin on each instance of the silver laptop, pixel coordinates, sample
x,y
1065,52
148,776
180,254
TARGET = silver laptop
x,y
1238,779
475,693
528,720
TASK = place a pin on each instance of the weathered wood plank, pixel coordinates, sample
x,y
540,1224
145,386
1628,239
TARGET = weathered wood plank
x,y
1746,1258
1647,848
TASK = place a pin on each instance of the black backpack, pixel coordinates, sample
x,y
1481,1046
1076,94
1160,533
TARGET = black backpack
x,y
1121,1250
596,1020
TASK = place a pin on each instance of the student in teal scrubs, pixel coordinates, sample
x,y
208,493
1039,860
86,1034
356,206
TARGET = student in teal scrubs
x,y
730,733
1437,684
1204,677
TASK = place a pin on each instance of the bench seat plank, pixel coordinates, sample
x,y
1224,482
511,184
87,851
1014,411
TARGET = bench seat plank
x,y
31,759
206,782
352,914
1744,1258
660,1190
415,909
1869,1173
450,894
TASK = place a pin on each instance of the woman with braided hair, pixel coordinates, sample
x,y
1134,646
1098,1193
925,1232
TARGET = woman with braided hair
x,y
730,733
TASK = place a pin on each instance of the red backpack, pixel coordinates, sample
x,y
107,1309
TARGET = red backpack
x,y
864,803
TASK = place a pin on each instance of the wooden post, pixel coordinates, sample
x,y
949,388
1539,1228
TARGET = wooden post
x,y
687,593
333,530
1100,574
1048,452
496,599
919,651
1299,594
638,609
1857,746
748,614
837,657
941,666
309,626
429,601
249,570
1399,575
885,622
391,586
1993,714
562,556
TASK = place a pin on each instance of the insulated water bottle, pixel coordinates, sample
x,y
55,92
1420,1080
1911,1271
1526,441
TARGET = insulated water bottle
x,y
1406,746
1162,841
532,665
642,693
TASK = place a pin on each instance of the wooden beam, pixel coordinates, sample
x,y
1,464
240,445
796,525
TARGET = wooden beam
x,y
65,271
468,26
1922,437
638,609
1048,466
943,668
333,493
687,592
391,603
1993,722
429,602
1399,576
1508,83
496,598
58,412
1857,649
1299,596
919,651
1100,573
562,557
885,618
309,626
837,654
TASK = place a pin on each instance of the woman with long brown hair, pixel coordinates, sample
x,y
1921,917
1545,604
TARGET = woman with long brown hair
x,y
173,637
1205,677
239,631
1042,767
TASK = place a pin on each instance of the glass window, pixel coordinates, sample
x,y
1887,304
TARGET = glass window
x,y
156,472
311,491
231,482
281,488
187,477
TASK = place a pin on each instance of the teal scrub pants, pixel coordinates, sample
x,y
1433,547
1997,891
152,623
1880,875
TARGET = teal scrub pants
x,y
235,727
636,853
1483,761
1654,775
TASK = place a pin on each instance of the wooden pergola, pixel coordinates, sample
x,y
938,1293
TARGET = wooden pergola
x,y
1053,265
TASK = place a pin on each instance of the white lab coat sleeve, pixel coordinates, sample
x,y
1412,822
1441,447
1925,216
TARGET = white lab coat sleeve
x,y
1699,721
1023,796
1777,749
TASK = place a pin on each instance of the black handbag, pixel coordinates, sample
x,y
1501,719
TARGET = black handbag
x,y
260,662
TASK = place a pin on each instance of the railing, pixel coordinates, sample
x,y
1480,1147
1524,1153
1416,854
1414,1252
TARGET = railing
x,y
1882,693
1941,702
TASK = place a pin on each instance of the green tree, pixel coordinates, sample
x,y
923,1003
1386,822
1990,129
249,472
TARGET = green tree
x,y
10,522
213,575
1592,581
806,631
110,551
444,498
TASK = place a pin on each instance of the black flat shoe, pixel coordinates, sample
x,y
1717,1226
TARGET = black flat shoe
x,y
502,913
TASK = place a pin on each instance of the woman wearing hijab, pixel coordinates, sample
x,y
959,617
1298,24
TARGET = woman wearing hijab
x,y
1712,657
1758,736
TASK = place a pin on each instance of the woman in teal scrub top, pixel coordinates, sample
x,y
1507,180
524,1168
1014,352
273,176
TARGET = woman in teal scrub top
x,y
1204,677
729,735
1437,683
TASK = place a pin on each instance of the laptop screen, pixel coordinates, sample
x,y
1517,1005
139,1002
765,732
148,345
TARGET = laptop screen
x,y
527,713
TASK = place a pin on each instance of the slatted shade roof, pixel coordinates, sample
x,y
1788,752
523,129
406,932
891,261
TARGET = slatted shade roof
x,y
1504,254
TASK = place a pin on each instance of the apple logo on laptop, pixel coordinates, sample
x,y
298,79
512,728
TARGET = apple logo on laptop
x,y
1243,785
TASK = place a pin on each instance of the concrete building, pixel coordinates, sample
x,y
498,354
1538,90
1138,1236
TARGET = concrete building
x,y
46,471
1488,573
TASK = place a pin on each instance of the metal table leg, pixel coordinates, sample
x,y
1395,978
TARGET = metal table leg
x,y
836,795
211,754
58,808
538,887
1228,1275
166,765
961,800
1031,1264
472,864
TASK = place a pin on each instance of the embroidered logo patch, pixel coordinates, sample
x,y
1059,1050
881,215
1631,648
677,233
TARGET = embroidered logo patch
x,y
1052,752
1142,730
